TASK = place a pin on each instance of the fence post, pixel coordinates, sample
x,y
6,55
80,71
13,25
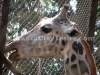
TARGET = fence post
x,y
3,29
92,22
4,7
1,62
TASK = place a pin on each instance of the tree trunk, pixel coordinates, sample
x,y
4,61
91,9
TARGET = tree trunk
x,y
92,21
3,29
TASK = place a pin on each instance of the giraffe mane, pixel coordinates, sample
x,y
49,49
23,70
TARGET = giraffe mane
x,y
90,58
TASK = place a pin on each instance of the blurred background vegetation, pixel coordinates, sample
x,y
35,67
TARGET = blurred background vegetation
x,y
25,14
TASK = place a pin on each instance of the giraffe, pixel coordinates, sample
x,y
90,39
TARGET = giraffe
x,y
62,38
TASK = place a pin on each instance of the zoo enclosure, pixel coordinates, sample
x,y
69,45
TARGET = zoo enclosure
x,y
25,14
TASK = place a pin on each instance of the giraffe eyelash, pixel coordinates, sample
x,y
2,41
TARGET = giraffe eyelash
x,y
46,29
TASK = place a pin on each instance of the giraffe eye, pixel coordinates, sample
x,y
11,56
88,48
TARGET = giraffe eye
x,y
46,29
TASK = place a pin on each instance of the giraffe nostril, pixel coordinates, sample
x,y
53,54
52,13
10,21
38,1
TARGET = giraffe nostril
x,y
73,33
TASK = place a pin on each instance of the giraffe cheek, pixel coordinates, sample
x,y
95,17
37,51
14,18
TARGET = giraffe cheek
x,y
50,47
37,50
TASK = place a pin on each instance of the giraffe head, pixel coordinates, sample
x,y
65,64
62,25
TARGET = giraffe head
x,y
48,38
53,37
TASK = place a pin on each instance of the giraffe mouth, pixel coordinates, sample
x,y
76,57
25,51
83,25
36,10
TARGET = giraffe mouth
x,y
73,33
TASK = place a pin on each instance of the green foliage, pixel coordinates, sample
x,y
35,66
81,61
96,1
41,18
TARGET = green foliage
x,y
52,66
51,8
24,16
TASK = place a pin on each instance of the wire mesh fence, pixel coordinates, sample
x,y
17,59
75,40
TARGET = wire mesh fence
x,y
25,14
97,38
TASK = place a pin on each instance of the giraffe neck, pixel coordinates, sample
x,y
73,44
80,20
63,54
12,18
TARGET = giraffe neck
x,y
75,59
